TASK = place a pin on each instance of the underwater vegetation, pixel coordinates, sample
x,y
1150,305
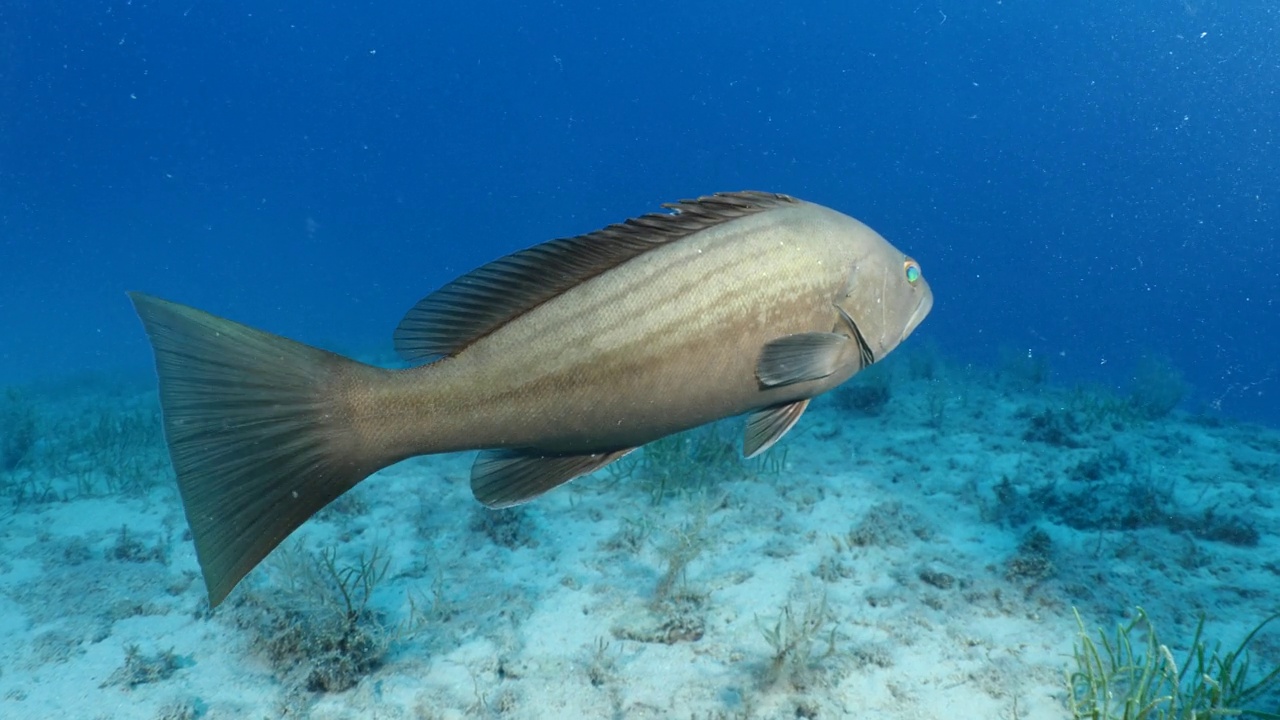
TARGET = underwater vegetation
x,y
1158,387
1100,451
681,555
17,430
316,626
695,461
55,451
794,638
1106,489
1125,676
140,668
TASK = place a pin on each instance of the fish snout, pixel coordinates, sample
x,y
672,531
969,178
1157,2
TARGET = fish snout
x,y
918,315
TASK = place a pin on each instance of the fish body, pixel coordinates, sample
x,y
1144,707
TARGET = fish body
x,y
554,362
667,341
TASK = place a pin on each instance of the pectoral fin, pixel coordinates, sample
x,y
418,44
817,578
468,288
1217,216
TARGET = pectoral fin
x,y
502,478
766,427
801,357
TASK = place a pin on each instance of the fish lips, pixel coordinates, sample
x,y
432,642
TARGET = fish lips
x,y
918,316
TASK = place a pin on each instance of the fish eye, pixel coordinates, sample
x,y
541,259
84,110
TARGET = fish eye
x,y
912,271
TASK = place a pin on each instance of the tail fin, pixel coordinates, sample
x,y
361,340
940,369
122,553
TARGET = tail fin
x,y
258,431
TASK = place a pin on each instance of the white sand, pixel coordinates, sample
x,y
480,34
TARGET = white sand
x,y
927,623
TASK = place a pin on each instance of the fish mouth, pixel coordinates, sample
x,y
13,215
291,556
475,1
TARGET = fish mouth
x,y
918,316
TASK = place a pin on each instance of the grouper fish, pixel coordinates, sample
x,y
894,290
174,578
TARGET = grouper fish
x,y
553,362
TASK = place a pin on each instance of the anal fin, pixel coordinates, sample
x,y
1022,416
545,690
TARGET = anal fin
x,y
766,427
502,478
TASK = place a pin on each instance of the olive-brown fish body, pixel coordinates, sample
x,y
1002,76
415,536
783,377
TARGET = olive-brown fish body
x,y
553,362
665,342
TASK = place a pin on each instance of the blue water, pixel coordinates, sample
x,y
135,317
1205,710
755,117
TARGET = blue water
x,y
1089,182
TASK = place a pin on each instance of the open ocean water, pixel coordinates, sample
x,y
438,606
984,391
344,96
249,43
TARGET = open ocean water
x,y
1082,438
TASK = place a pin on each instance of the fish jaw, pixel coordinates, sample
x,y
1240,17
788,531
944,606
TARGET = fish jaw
x,y
918,315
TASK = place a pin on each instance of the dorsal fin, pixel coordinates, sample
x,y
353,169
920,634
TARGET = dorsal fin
x,y
476,304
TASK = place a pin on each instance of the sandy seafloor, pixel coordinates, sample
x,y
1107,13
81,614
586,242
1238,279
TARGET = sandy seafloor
x,y
903,534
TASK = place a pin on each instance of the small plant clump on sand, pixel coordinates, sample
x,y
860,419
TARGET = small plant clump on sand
x,y
320,630
1032,563
139,669
1055,427
1122,677
794,636
510,528
129,548
601,663
683,547
887,524
677,611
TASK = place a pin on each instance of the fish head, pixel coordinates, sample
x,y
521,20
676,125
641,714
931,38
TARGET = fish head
x,y
886,296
